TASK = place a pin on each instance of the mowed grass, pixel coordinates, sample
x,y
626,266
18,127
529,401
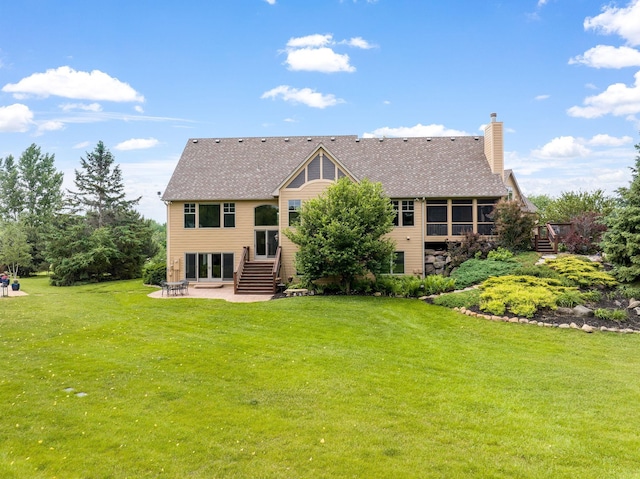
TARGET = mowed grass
x,y
315,387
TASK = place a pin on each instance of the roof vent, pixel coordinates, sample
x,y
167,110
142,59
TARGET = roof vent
x,y
381,139
263,140
333,138
286,139
405,139
429,139
453,138
357,140
476,138
195,141
308,139
240,140
217,141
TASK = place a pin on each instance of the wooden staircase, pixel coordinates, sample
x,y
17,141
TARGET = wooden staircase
x,y
544,246
256,278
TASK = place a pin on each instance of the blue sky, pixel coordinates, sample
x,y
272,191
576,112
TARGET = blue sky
x,y
145,76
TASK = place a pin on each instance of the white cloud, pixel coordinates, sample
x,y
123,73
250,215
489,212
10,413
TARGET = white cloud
x,y
541,3
15,118
137,144
316,53
562,147
414,131
79,146
310,41
51,125
69,83
605,56
271,2
138,108
618,100
542,97
622,21
358,42
306,96
323,60
608,140
81,106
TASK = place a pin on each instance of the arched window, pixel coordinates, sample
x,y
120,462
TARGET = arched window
x,y
266,215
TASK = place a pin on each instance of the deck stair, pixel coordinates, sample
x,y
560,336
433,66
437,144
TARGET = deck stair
x,y
256,278
544,246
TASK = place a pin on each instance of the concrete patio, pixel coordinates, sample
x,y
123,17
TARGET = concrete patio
x,y
225,292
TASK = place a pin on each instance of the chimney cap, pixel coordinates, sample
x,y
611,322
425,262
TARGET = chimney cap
x,y
494,116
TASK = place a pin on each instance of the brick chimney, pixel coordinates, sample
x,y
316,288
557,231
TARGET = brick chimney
x,y
494,145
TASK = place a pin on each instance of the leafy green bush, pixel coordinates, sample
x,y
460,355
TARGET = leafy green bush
x,y
617,315
413,286
569,299
475,271
154,273
500,254
539,271
522,295
436,284
460,299
629,291
592,296
582,272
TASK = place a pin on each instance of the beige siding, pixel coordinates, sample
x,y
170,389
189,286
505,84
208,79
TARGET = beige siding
x,y
209,240
309,190
409,240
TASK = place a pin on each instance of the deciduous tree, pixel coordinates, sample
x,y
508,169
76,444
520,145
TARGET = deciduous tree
x,y
341,232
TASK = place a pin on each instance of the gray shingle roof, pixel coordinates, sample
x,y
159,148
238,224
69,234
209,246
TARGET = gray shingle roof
x,y
252,168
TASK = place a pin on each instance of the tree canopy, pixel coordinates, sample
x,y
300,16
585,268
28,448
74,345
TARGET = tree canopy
x,y
621,242
341,232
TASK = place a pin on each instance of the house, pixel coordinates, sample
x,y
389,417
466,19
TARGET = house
x,y
229,199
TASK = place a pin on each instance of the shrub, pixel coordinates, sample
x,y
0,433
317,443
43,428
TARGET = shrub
x,y
582,272
154,273
629,291
475,271
513,225
522,295
461,299
472,245
500,254
539,271
592,296
617,315
569,299
436,284
362,286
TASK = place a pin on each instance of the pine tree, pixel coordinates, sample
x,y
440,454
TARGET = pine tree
x,y
621,242
100,188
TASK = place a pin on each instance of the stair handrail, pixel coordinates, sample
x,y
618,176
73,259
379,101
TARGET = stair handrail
x,y
275,271
244,257
554,238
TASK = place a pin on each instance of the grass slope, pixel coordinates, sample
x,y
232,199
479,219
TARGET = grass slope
x,y
317,387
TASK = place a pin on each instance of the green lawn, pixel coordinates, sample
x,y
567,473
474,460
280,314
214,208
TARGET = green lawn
x,y
314,387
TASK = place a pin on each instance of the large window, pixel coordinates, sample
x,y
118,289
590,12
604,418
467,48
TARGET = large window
x,y
209,266
436,217
486,226
294,212
461,216
189,215
209,216
266,215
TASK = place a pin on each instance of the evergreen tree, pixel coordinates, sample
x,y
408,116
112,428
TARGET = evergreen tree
x,y
621,242
100,188
12,201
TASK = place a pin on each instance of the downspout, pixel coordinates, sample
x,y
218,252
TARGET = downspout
x,y
423,208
